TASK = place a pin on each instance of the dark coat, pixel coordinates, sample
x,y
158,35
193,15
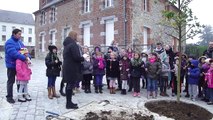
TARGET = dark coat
x,y
53,68
112,69
136,71
124,65
72,61
153,70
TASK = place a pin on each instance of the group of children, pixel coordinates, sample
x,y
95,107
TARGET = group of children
x,y
125,70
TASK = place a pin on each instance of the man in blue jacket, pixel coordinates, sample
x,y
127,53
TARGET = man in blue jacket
x,y
12,47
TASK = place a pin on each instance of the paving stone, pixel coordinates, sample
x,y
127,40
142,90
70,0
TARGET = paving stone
x,y
29,117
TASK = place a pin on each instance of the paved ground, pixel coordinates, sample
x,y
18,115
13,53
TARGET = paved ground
x,y
36,109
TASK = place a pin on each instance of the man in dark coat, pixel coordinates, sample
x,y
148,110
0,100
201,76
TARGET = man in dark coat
x,y
72,55
209,52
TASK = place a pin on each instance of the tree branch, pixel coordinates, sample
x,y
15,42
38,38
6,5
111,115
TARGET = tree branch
x,y
186,32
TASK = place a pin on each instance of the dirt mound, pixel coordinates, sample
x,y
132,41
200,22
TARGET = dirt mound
x,y
111,115
179,111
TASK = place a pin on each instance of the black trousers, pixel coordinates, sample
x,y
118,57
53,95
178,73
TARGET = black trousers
x,y
136,84
163,84
11,73
69,90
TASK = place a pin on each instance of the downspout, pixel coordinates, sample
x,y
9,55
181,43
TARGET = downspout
x,y
125,23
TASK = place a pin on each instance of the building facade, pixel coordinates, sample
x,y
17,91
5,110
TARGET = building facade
x,y
10,20
99,22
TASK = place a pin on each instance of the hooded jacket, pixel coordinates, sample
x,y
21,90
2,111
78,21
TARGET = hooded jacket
x,y
194,73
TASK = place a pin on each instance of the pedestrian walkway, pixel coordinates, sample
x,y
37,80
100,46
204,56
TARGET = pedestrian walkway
x,y
36,109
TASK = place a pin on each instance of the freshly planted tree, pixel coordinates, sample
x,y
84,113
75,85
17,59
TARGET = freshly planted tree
x,y
184,26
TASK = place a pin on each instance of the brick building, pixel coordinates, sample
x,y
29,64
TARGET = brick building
x,y
99,22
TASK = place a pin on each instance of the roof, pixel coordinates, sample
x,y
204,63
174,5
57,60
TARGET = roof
x,y
16,17
49,4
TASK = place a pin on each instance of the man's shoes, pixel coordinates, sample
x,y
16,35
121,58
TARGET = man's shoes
x,y
11,100
210,103
72,106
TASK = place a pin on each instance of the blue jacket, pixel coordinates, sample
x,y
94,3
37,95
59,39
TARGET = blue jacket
x,y
12,47
194,73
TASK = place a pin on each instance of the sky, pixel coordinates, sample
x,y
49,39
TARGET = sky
x,y
201,8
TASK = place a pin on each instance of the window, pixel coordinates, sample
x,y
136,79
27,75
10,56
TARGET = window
x,y
30,30
22,29
41,43
146,36
29,39
43,17
22,39
86,6
86,32
66,32
108,3
53,14
3,28
3,38
146,5
52,37
109,32
13,27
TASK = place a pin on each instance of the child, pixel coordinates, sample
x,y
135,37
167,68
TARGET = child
x,y
144,58
164,77
136,65
153,67
112,68
98,71
209,79
107,57
193,79
174,81
23,73
124,68
87,72
202,76
205,68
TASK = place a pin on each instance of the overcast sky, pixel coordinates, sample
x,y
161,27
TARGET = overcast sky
x,y
201,8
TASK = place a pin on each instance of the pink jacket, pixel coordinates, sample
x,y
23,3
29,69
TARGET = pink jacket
x,y
23,72
209,78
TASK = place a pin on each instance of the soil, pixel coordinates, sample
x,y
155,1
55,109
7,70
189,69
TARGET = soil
x,y
111,115
179,110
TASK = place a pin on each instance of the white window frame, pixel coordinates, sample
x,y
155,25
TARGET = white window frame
x,y
52,37
145,37
53,14
30,31
108,3
87,39
22,29
29,39
4,28
43,17
109,34
86,6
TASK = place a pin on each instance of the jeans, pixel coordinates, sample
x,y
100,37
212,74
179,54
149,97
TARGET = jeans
x,y
98,80
51,81
152,85
210,90
23,89
11,73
